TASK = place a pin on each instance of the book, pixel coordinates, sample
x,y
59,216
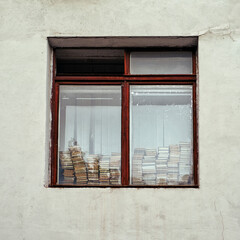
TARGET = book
x,y
115,168
66,167
185,163
104,171
93,168
149,167
161,165
79,165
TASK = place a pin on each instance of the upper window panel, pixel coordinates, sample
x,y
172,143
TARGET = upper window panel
x,y
171,62
89,62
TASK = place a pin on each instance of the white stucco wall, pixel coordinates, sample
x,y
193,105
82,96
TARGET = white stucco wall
x,y
28,210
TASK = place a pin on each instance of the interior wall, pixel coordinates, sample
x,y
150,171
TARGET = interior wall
x,y
29,210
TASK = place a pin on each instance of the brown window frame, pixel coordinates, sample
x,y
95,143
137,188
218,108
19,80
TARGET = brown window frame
x,y
124,80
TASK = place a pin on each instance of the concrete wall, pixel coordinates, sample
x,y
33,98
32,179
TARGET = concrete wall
x,y
28,210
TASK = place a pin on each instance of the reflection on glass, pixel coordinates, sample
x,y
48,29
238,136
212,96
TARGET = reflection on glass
x,y
90,135
161,135
161,62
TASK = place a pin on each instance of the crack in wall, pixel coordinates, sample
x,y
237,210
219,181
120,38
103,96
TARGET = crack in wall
x,y
215,205
221,30
222,225
223,228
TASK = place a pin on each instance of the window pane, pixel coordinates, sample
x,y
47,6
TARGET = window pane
x,y
90,135
161,62
161,135
89,61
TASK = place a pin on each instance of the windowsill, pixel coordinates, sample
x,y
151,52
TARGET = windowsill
x,y
131,186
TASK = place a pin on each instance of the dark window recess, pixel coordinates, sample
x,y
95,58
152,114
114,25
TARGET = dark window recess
x,y
89,62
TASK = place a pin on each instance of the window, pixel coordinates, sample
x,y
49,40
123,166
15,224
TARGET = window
x,y
124,118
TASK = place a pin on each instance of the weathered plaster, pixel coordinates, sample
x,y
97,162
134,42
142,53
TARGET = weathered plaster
x,y
28,210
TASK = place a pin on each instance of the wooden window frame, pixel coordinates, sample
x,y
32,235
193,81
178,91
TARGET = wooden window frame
x,y
124,80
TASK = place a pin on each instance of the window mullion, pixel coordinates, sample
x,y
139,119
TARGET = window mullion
x,y
126,62
195,137
125,134
54,133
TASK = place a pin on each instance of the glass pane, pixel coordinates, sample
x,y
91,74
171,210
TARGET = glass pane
x,y
161,62
89,61
161,135
90,135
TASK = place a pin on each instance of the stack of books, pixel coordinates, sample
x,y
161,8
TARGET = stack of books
x,y
185,163
79,165
67,167
170,165
140,151
162,165
149,167
137,159
150,152
93,167
104,172
115,169
173,170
